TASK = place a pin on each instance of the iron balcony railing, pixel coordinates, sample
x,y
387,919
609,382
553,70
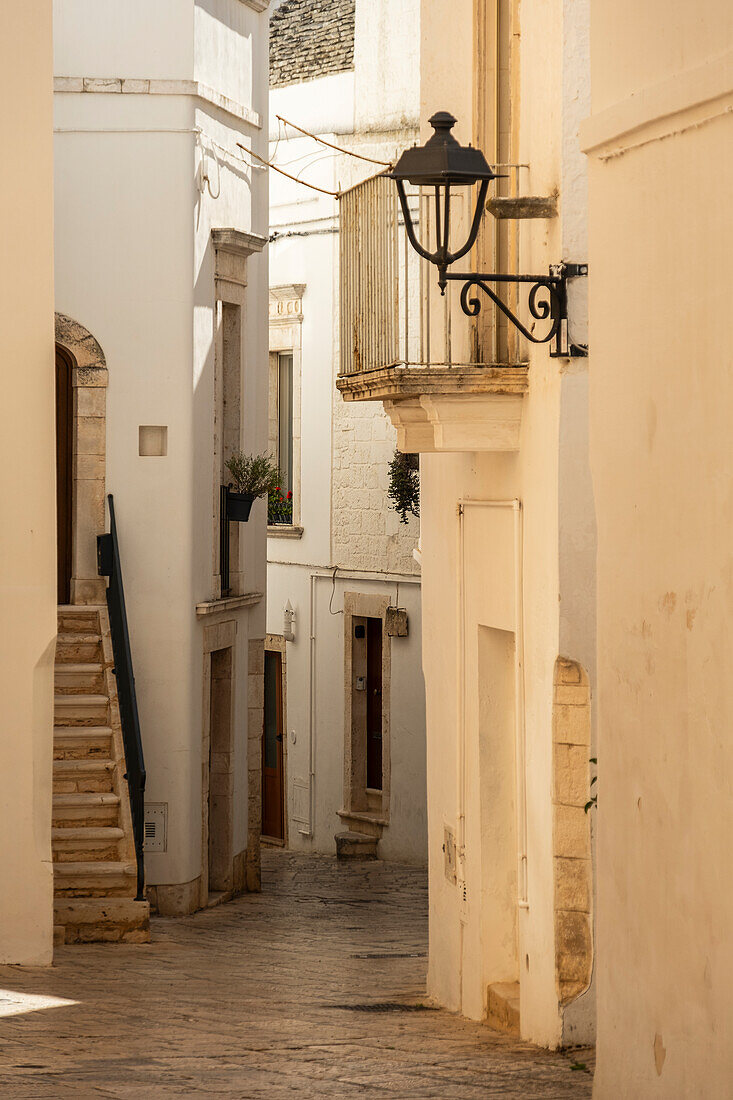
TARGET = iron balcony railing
x,y
109,565
391,312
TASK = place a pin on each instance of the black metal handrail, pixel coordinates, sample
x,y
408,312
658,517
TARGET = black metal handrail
x,y
108,564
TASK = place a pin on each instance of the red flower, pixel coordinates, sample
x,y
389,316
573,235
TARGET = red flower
x,y
290,495
277,488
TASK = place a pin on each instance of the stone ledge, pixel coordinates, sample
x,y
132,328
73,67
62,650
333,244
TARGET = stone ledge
x,y
227,603
120,85
399,382
284,531
237,241
523,206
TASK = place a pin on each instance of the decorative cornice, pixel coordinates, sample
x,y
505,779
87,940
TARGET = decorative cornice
x,y
257,5
237,241
286,302
118,85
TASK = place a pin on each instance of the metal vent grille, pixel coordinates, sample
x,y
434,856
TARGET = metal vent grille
x,y
155,830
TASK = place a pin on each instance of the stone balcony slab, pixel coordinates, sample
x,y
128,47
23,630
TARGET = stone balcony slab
x,y
448,409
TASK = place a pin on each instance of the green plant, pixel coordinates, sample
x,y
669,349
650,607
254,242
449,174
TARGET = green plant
x,y
593,801
404,484
255,474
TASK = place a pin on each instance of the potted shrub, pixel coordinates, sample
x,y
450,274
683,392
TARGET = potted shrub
x,y
253,476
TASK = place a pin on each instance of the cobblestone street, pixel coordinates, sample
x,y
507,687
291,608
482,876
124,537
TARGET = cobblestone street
x,y
315,988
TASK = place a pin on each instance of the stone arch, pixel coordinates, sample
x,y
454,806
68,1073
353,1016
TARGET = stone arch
x,y
89,383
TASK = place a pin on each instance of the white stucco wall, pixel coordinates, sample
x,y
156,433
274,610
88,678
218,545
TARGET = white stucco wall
x,y
135,267
346,518
27,490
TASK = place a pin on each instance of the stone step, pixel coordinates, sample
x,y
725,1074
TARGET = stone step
x,y
84,809
78,620
503,1007
351,845
81,742
71,647
94,879
102,920
80,710
85,843
82,776
79,679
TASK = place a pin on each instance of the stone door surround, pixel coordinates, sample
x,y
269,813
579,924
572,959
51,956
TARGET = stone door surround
x,y
89,421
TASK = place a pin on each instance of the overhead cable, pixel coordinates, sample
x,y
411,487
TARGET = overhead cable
x,y
338,148
269,164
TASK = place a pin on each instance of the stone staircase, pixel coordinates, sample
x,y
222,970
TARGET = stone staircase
x,y
95,873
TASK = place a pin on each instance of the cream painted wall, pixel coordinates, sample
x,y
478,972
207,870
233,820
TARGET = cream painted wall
x,y
662,467
27,496
549,477
135,265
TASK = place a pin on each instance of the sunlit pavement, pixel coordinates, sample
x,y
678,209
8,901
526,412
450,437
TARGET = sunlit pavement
x,y
314,988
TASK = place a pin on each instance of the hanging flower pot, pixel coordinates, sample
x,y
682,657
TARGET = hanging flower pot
x,y
253,476
239,505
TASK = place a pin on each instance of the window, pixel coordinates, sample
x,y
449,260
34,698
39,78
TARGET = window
x,y
280,505
285,419
284,430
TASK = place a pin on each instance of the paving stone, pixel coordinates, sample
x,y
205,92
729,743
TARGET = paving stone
x,y
255,999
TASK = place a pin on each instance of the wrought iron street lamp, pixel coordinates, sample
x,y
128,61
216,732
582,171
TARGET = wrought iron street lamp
x,y
443,163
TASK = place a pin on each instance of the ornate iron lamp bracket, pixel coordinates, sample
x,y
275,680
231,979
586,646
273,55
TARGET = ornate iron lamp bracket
x,y
547,301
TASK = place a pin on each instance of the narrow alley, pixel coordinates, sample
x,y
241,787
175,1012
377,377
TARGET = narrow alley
x,y
313,988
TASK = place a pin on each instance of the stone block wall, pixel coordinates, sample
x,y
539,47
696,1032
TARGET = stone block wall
x,y
367,532
310,39
571,727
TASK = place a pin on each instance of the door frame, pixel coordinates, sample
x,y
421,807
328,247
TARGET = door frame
x,y
89,378
357,797
275,643
64,417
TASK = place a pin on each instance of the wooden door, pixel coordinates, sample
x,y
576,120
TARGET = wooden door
x,y
273,816
374,704
64,452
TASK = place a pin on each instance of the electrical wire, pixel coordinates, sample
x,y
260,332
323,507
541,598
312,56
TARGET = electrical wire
x,y
268,164
333,590
338,148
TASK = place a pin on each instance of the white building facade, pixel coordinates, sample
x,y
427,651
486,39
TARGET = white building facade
x,y
344,687
161,290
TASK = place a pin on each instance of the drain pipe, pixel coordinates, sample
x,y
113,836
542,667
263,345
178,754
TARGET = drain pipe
x,y
311,708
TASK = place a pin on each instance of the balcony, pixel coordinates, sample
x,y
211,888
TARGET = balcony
x,y
448,382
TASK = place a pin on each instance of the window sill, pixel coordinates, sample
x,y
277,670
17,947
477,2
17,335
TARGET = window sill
x,y
284,531
227,603
365,815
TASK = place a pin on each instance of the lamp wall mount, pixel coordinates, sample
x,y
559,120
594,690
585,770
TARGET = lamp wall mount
x,y
547,301
442,163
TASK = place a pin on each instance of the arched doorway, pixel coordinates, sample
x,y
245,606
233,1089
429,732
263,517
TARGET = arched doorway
x,y
64,472
81,433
